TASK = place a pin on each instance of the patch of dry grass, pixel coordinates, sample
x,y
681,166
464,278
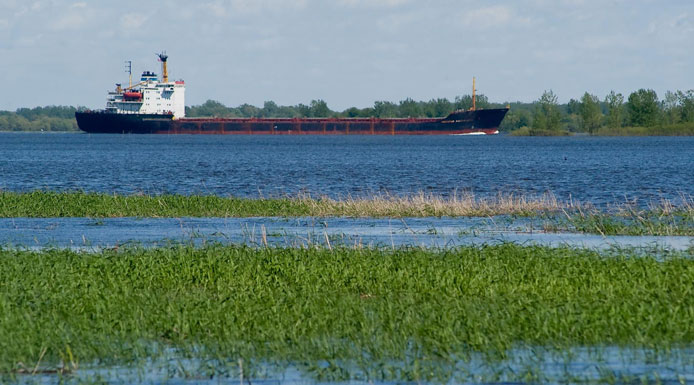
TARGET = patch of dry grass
x,y
430,205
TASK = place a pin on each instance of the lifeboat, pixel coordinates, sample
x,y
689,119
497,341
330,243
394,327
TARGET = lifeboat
x,y
132,95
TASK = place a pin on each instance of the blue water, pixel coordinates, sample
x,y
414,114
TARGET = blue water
x,y
527,365
588,169
596,170
438,233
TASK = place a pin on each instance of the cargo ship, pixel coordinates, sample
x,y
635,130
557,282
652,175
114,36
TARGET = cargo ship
x,y
156,106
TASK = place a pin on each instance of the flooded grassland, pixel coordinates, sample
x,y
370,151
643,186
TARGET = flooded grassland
x,y
205,260
407,314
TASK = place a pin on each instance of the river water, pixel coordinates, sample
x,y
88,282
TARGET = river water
x,y
587,169
438,233
600,171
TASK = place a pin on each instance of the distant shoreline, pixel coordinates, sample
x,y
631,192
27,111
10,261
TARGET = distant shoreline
x,y
662,130
624,132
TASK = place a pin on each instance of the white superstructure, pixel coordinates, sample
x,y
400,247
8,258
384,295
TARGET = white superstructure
x,y
150,96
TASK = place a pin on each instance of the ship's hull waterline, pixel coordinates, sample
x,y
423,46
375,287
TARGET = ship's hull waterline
x,y
479,122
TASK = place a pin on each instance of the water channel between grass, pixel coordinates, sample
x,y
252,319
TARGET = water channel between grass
x,y
444,232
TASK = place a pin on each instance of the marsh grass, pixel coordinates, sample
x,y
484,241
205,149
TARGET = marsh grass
x,y
407,314
628,218
527,131
662,218
48,204
680,129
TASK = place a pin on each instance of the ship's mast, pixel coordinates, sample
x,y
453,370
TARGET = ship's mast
x,y
474,106
129,70
164,73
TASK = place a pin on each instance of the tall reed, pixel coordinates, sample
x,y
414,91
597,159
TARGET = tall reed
x,y
84,204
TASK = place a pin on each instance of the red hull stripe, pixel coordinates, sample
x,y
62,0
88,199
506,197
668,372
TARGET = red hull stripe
x,y
303,132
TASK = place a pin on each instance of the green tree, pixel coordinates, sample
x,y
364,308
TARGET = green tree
x,y
270,109
643,107
248,111
686,101
672,111
352,112
516,119
209,108
465,102
615,109
547,115
574,107
589,110
408,108
319,109
303,111
383,109
442,107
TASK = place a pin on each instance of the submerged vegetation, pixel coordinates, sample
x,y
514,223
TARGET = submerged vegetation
x,y
405,314
48,204
663,218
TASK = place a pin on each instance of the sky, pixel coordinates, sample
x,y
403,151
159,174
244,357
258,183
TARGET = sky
x,y
346,52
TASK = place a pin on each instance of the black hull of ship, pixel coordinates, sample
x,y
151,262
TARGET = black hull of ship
x,y
458,123
95,122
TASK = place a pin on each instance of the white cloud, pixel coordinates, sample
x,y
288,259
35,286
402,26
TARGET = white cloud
x,y
75,17
394,23
669,26
487,17
131,21
29,41
216,8
374,3
534,44
69,21
222,8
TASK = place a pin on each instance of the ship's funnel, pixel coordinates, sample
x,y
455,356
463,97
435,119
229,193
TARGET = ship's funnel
x,y
164,73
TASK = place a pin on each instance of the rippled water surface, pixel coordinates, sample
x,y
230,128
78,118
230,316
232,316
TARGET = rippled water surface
x,y
88,233
598,170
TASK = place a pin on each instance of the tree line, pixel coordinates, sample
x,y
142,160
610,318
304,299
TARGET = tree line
x,y
319,109
50,118
613,114
545,116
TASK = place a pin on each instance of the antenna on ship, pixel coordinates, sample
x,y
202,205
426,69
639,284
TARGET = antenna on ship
x,y
164,73
129,70
474,106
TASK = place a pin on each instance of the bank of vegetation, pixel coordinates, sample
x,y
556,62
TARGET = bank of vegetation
x,y
641,113
373,314
550,214
49,118
49,204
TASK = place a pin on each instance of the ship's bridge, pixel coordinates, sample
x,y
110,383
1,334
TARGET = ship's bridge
x,y
151,95
148,76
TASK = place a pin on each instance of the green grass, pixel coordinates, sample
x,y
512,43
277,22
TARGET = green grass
x,y
408,314
49,204
527,131
680,224
658,219
680,129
